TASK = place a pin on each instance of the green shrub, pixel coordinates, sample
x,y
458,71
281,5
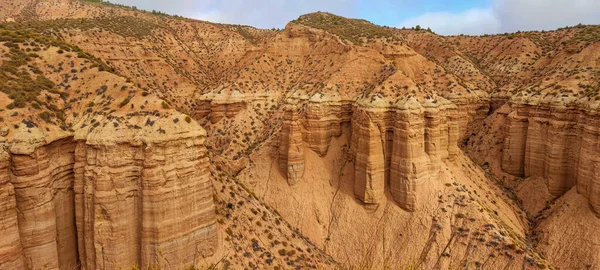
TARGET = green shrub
x,y
45,115
125,102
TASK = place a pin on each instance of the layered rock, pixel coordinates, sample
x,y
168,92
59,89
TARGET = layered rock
x,y
222,104
556,142
43,182
291,146
11,250
369,160
471,109
324,115
398,144
108,199
418,136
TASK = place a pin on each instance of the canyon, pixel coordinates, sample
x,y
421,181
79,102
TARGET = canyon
x,y
132,139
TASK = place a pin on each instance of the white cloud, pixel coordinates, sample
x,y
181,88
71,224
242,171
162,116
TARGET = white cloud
x,y
472,21
258,13
511,16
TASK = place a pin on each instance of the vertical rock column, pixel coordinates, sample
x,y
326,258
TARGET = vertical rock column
x,y
369,174
84,209
513,152
558,169
177,214
291,148
43,182
453,130
323,119
588,157
588,182
11,251
535,148
144,199
435,145
594,189
112,206
410,164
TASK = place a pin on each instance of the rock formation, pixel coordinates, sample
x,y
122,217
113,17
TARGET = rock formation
x,y
324,116
112,198
399,145
11,250
222,104
556,142
99,170
404,148
291,146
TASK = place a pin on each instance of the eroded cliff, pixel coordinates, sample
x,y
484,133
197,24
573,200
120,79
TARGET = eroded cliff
x,y
557,142
112,198
398,145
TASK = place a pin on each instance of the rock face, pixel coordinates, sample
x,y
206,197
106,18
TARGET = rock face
x,y
471,110
324,115
291,147
398,145
406,146
220,105
108,199
557,142
370,165
11,250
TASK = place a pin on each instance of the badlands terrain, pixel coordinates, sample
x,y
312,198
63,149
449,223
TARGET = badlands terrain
x,y
136,140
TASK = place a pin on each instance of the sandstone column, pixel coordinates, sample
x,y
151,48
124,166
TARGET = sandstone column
x,y
535,148
43,182
513,152
410,164
11,251
291,148
588,157
369,174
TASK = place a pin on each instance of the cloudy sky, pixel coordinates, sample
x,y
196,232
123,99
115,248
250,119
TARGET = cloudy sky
x,y
443,16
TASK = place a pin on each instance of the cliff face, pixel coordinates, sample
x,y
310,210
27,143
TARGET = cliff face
x,y
291,150
11,249
556,142
108,199
404,145
324,117
398,145
218,106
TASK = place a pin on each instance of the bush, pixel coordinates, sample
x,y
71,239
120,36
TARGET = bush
x,y
125,102
45,116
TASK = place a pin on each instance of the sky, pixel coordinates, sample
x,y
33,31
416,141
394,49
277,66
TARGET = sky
x,y
447,17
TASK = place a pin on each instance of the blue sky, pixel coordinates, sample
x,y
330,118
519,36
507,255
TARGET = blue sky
x,y
446,17
389,12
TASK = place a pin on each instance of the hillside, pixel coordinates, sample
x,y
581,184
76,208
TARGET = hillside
x,y
139,139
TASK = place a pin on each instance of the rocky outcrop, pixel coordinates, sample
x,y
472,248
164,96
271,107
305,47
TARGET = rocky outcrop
x,y
557,142
222,104
324,115
369,159
399,145
43,182
291,146
11,250
471,110
418,136
108,199
315,120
